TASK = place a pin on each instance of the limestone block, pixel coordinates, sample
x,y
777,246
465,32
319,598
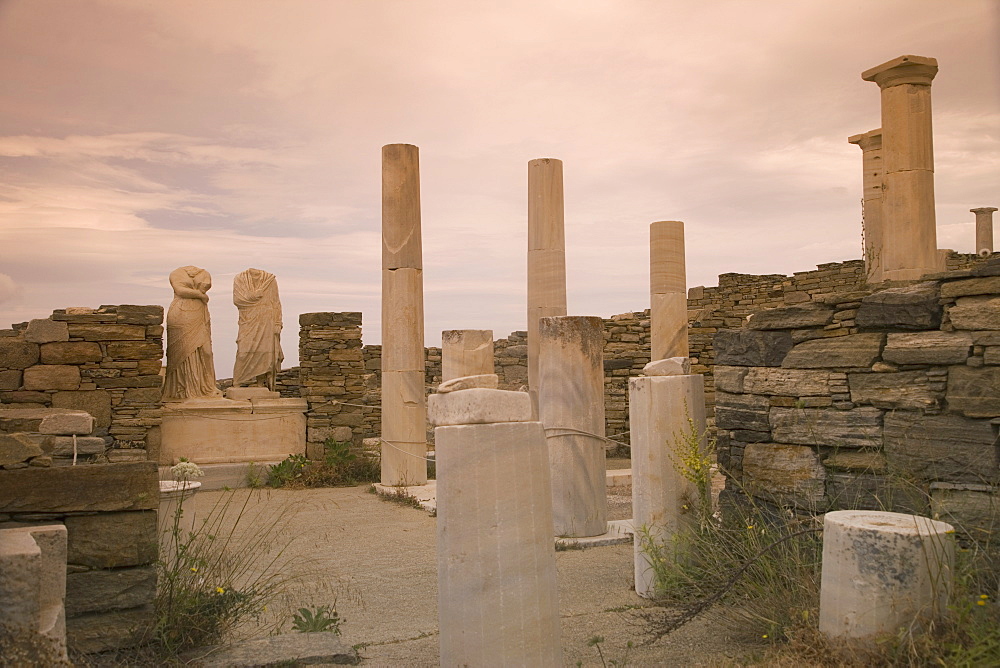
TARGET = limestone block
x,y
77,352
67,423
730,378
671,366
489,381
974,392
18,447
108,332
976,313
792,317
786,382
135,350
45,331
105,590
786,474
911,307
882,571
108,487
989,285
52,377
466,352
855,428
742,347
905,389
17,354
478,406
928,348
103,631
95,402
112,540
852,351
10,379
402,320
498,598
944,447
86,446
741,411
401,238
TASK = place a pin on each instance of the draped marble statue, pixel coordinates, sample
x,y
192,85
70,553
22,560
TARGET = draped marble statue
x,y
258,344
190,367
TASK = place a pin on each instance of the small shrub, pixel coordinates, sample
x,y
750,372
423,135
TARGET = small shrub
x,y
319,619
341,466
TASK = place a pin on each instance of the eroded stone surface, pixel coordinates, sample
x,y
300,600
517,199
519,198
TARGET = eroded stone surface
x,y
905,389
792,317
673,366
855,428
729,378
744,347
45,331
788,474
787,382
976,313
852,351
974,392
941,447
911,307
75,352
742,411
478,405
486,380
927,348
52,377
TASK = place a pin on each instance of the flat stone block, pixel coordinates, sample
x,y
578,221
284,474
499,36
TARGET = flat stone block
x,y
106,590
98,487
103,631
743,347
489,381
904,389
855,428
785,474
65,422
910,307
52,377
786,382
62,446
974,392
10,379
928,348
976,313
730,378
135,350
852,351
112,540
742,411
478,406
45,331
945,447
75,352
972,286
95,402
247,393
19,447
133,314
107,332
792,317
17,354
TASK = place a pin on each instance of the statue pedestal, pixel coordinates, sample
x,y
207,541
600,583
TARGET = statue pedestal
x,y
212,431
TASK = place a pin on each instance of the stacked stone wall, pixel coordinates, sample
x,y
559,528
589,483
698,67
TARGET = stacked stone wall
x,y
105,361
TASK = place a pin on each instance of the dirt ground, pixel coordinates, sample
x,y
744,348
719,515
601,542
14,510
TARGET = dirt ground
x,y
376,560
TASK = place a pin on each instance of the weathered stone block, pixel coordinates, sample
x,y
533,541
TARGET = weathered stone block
x,y
95,402
911,307
108,332
730,378
25,397
149,367
75,352
744,347
129,381
946,448
855,428
974,392
928,348
787,382
106,590
142,395
51,377
868,491
10,379
852,351
905,389
17,354
786,474
976,313
130,314
62,446
67,423
971,286
135,350
102,631
107,487
792,317
857,461
45,330
971,508
18,447
741,411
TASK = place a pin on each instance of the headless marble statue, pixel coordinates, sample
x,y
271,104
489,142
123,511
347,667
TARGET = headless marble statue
x,y
258,344
190,367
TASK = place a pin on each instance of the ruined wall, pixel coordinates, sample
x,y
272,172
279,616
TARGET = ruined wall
x,y
105,361
873,398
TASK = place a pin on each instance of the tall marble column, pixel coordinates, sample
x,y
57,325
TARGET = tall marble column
x,y
871,183
909,233
984,230
667,290
546,252
466,352
404,431
571,406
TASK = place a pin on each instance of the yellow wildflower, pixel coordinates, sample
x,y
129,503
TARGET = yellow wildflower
x,y
220,590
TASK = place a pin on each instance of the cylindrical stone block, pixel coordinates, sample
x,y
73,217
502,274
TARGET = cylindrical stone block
x,y
871,183
466,352
546,252
498,600
403,398
571,406
667,291
909,234
664,502
984,230
882,571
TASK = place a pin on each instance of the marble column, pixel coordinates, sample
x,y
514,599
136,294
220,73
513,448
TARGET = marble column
x,y
466,352
664,502
909,233
404,430
870,144
667,290
498,599
546,252
984,230
571,406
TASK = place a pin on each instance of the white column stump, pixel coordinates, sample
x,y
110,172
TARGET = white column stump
x,y
664,502
571,406
909,233
668,322
882,571
984,230
872,174
498,600
466,352
404,415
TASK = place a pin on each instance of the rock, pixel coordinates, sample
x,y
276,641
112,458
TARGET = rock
x,y
95,402
792,317
135,350
854,428
44,420
67,423
130,314
17,354
674,366
45,330
102,631
289,649
972,286
970,508
86,446
974,392
18,447
928,348
488,380
741,411
976,313
787,382
852,351
10,379
729,378
988,268
947,448
865,461
52,377
478,406
786,474
883,367
75,352
108,487
910,307
743,347
905,389
106,590
108,332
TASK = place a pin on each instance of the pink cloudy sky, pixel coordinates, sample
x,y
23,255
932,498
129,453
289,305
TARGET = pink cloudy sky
x,y
136,137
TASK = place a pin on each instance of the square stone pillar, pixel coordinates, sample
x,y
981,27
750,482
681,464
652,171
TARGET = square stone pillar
x,y
872,174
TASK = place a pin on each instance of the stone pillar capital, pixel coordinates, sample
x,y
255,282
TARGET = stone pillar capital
x,y
917,70
984,209
868,141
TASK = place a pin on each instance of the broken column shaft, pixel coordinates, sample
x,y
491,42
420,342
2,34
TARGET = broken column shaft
x,y
870,144
984,230
466,352
667,291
